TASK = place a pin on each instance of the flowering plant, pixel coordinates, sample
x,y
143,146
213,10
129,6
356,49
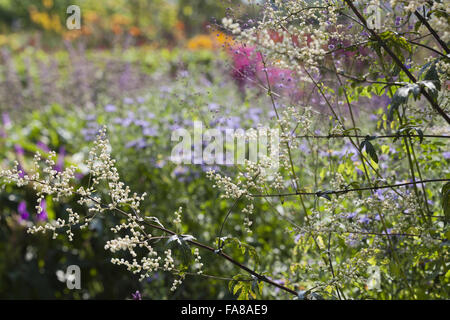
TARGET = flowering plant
x,y
358,205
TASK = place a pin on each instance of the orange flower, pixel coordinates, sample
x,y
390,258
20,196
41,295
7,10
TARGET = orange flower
x,y
200,42
47,3
221,39
72,35
85,30
91,16
116,29
120,20
134,31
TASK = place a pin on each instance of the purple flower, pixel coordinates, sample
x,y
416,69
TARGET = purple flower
x,y
21,171
141,99
42,146
160,163
151,132
179,172
233,122
89,134
6,120
364,220
141,123
137,295
43,216
184,74
128,100
60,164
408,64
446,155
22,210
140,143
19,150
351,215
126,122
351,240
379,194
91,117
110,108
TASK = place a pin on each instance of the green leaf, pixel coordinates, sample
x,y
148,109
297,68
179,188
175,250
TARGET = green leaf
x,y
324,194
368,146
420,133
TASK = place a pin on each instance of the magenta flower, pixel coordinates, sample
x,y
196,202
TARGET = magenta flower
x,y
246,62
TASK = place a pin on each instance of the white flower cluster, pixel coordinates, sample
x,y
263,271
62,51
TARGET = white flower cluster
x,y
177,220
233,27
294,32
439,22
197,261
176,283
409,5
103,176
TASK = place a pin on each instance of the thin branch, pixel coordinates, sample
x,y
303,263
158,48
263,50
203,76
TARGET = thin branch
x,y
432,31
343,191
330,136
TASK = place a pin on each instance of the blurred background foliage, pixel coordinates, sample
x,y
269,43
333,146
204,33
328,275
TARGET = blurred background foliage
x,y
106,23
144,68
